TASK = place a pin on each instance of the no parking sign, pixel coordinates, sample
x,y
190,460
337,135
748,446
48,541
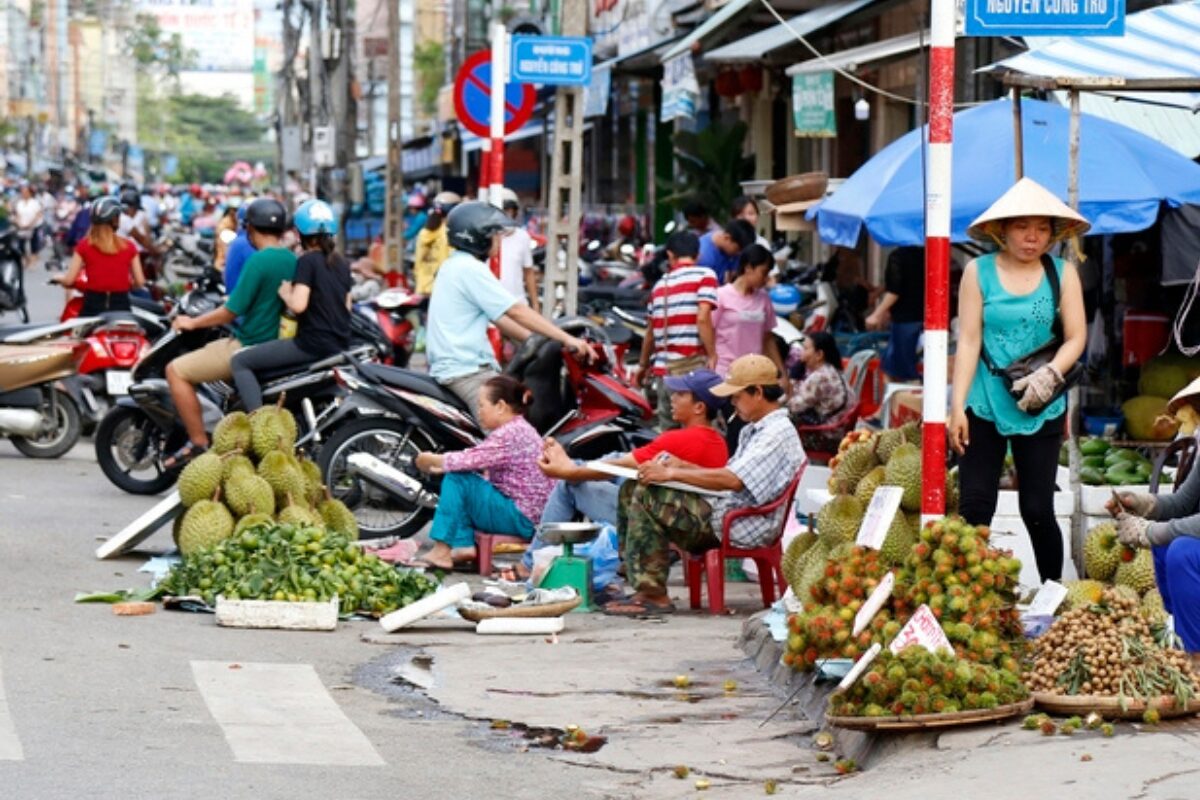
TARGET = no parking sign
x,y
473,97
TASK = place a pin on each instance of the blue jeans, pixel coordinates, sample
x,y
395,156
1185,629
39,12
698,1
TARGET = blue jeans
x,y
900,359
1177,569
596,500
468,503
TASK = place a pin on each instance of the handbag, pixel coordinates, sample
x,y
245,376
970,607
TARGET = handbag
x,y
1035,360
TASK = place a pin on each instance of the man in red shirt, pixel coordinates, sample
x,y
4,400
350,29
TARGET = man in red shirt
x,y
680,336
593,493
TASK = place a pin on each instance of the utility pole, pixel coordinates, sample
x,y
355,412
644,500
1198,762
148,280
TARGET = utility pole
x,y
393,226
344,117
318,114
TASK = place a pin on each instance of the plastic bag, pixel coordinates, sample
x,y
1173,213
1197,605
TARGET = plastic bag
x,y
602,551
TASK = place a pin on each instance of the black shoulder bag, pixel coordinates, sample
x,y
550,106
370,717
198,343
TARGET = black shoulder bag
x,y
1031,362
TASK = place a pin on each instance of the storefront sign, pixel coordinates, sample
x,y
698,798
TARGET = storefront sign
x,y
681,91
812,105
1045,18
597,93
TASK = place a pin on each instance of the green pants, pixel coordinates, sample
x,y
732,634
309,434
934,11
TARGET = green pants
x,y
652,518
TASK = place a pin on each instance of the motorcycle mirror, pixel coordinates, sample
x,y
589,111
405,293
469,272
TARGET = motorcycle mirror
x,y
227,236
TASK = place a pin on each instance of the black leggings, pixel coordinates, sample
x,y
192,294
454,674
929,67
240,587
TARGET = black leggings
x,y
96,303
1035,456
277,353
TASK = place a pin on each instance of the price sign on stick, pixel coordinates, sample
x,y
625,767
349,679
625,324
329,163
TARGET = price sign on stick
x,y
884,505
860,666
875,602
924,630
1048,599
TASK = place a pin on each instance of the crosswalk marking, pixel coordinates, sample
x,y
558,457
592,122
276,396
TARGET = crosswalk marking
x,y
280,714
10,745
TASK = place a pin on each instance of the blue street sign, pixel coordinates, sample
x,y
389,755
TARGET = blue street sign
x,y
1045,18
552,60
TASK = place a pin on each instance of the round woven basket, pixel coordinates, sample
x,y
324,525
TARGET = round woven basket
x,y
798,188
931,721
1110,707
546,610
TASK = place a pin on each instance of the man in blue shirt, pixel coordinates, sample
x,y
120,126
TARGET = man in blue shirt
x,y
467,296
720,249
239,250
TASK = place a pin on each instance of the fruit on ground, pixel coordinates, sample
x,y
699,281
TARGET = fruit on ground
x,y
796,548
285,479
204,525
1137,574
314,487
338,518
839,519
295,514
904,470
252,521
272,428
249,494
235,463
232,433
1101,552
200,478
1081,594
1152,607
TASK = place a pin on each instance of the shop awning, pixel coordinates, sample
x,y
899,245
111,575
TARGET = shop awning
x,y
640,59
856,56
758,46
1177,128
710,26
1159,43
471,142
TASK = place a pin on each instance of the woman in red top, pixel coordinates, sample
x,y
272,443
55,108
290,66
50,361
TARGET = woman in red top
x,y
109,263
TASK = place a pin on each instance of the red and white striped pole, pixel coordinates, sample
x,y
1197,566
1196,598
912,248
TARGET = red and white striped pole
x,y
937,257
496,158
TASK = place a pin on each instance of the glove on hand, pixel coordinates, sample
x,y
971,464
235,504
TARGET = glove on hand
x,y
1138,532
1139,505
1038,387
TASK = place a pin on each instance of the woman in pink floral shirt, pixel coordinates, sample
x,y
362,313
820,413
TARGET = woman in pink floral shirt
x,y
495,486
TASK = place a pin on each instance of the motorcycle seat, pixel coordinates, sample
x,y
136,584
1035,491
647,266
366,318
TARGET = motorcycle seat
x,y
411,381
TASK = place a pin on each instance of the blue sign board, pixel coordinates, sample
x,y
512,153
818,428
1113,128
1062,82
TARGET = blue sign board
x,y
552,60
1045,18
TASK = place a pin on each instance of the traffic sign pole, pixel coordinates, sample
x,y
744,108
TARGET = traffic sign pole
x,y
499,88
937,258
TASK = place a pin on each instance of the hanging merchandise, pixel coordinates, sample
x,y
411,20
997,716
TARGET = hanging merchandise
x,y
751,78
680,89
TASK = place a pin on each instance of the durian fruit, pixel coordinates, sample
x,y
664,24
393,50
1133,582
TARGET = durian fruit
x,y
899,541
1101,552
952,491
796,549
175,530
235,462
1127,592
838,520
232,433
200,478
1153,608
337,517
205,524
867,486
272,428
314,490
912,432
247,493
904,470
887,443
810,570
1137,574
855,463
277,469
1081,594
296,514
252,521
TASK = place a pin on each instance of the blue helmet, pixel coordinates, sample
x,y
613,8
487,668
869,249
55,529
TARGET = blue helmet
x,y
314,217
785,298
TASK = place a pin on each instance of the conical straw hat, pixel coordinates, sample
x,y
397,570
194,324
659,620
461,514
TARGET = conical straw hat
x,y
1188,395
1028,198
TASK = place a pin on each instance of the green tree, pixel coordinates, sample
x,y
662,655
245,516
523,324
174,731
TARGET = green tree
x,y
430,61
210,133
711,164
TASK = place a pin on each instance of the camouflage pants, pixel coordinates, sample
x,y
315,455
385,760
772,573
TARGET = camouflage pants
x,y
652,518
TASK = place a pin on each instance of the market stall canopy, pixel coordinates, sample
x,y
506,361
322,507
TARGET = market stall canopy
x,y
1124,176
1160,43
718,20
866,54
758,46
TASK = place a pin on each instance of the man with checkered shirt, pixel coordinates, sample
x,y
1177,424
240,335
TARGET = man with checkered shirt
x,y
653,517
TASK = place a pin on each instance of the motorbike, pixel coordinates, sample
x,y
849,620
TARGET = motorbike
x,y
36,412
393,311
12,273
142,428
390,415
187,256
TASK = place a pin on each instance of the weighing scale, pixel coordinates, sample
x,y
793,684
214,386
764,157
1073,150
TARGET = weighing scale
x,y
569,569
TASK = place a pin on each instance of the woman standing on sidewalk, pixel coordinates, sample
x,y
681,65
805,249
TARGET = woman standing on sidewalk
x,y
1007,310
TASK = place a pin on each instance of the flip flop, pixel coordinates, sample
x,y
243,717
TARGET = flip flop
x,y
637,609
424,563
183,456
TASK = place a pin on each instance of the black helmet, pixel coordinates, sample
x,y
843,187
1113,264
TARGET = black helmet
x,y
267,215
471,226
130,197
105,211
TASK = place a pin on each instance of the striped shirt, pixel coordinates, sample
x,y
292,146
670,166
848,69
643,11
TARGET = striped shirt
x,y
675,310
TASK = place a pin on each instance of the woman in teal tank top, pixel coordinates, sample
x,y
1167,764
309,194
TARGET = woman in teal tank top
x,y
1006,308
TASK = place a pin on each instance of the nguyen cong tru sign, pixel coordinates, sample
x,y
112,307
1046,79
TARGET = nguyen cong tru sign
x,y
1044,18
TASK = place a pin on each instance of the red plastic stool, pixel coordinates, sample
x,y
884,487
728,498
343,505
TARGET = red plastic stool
x,y
485,543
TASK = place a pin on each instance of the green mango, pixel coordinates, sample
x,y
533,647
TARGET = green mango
x,y
1091,476
1095,462
1093,446
1120,454
1121,474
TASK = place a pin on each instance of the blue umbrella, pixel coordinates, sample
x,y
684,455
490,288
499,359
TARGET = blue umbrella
x,y
1124,176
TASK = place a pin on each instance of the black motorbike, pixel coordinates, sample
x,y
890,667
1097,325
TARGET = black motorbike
x,y
143,428
12,272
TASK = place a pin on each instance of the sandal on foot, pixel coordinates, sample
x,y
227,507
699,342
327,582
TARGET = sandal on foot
x,y
637,608
183,456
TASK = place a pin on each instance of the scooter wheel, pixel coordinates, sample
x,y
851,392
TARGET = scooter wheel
x,y
60,437
129,449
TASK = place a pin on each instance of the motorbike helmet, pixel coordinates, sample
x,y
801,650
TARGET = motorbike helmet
x,y
471,226
105,211
509,199
315,217
445,202
627,226
416,200
131,198
785,299
267,215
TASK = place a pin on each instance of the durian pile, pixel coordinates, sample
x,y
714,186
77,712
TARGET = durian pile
x,y
1110,564
1110,649
252,476
916,681
296,563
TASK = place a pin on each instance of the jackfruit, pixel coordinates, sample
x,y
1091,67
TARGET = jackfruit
x,y
1146,419
232,433
272,428
855,463
1137,574
1101,552
200,478
338,518
249,494
838,520
285,478
1161,378
205,524
904,470
867,486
